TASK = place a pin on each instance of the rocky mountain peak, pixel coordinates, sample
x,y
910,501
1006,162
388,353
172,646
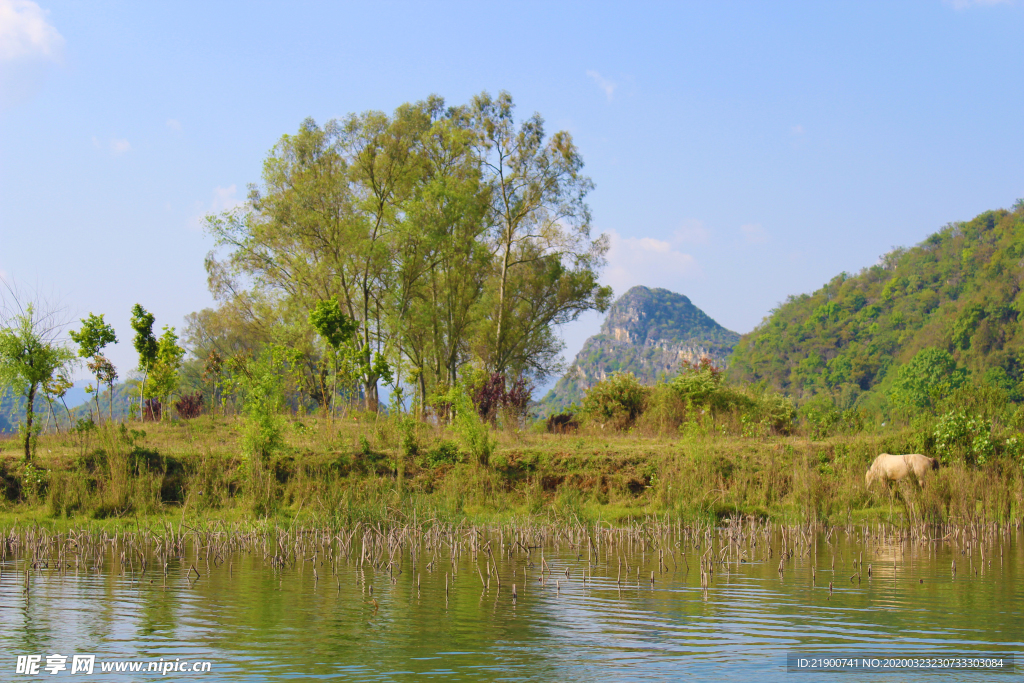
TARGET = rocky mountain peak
x,y
648,332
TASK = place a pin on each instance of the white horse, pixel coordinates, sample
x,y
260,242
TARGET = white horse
x,y
895,467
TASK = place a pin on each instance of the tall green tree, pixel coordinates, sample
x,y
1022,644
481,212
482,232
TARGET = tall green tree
x,y
106,373
325,221
384,167
445,233
169,354
94,336
444,263
30,356
540,228
145,345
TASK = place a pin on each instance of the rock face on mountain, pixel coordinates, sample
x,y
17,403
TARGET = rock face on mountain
x,y
648,332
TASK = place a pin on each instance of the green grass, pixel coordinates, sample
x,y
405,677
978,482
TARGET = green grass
x,y
370,468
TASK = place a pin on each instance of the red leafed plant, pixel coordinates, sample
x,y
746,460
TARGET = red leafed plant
x,y
190,406
152,410
492,395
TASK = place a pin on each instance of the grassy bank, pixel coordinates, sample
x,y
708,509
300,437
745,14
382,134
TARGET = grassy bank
x,y
364,468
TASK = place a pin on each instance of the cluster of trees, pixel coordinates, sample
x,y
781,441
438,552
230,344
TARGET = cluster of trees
x,y
36,363
957,295
403,248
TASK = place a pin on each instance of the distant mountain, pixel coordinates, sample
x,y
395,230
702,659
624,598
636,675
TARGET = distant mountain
x,y
648,332
81,404
12,412
961,290
76,395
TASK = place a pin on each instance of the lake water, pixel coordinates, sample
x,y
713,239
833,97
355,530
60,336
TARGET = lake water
x,y
298,606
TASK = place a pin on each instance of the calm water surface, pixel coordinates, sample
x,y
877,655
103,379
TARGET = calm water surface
x,y
328,616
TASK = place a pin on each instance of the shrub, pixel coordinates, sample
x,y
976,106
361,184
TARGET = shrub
x,y
775,411
698,382
190,406
617,400
491,397
665,411
444,453
562,423
823,419
703,384
961,437
152,410
259,381
474,432
410,445
925,379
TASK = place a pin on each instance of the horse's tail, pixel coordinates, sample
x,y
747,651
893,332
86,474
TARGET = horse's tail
x,y
935,464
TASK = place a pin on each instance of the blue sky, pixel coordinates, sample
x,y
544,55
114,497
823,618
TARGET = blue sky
x,y
741,152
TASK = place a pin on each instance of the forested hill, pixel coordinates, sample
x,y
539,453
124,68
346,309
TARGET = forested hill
x,y
12,408
647,332
959,291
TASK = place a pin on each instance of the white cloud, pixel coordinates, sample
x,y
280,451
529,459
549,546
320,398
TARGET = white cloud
x,y
223,199
174,124
120,146
603,83
25,32
116,146
753,233
647,261
692,231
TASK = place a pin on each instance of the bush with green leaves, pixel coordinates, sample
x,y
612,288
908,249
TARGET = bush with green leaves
x,y
409,443
775,411
617,400
1013,446
980,399
698,382
823,418
443,453
963,437
820,416
702,385
258,380
925,379
472,430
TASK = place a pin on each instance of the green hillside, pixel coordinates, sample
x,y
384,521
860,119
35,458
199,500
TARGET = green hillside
x,y
12,409
959,291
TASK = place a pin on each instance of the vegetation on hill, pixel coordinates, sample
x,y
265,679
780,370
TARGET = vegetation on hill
x,y
923,321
